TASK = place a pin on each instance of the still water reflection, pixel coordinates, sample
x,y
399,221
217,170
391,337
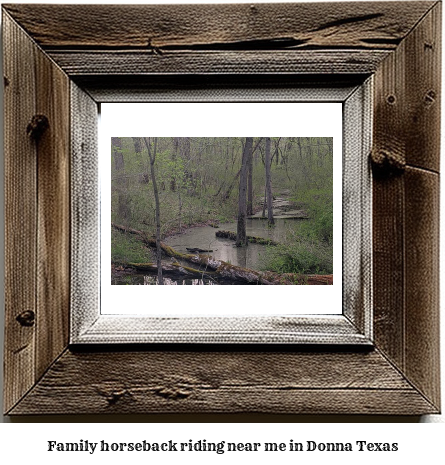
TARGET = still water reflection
x,y
224,249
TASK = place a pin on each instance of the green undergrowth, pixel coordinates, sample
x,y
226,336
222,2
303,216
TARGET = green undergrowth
x,y
302,251
125,249
303,255
308,248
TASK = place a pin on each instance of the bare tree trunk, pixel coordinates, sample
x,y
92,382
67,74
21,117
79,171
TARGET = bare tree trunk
x,y
180,209
228,191
137,142
250,179
269,184
250,184
264,203
121,182
277,151
174,158
152,156
241,237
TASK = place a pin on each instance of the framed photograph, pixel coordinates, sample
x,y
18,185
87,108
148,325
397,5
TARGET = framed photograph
x,y
150,147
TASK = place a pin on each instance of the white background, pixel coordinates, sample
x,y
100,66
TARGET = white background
x,y
21,442
219,120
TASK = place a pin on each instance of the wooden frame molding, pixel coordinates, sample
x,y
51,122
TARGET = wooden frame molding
x,y
78,56
90,323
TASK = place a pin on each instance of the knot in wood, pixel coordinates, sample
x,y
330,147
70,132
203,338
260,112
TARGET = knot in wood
x,y
115,396
26,318
173,393
112,395
387,163
37,126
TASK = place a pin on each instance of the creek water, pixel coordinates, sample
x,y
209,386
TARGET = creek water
x,y
204,237
224,249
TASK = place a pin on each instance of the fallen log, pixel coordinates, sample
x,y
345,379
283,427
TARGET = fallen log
x,y
255,240
197,250
172,269
300,279
316,279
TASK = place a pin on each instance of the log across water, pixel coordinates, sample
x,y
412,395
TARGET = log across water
x,y
256,240
226,270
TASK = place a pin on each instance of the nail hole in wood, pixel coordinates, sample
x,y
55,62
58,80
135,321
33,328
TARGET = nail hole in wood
x,y
430,97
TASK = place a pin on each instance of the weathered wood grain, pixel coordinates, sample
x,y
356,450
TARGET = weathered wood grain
x,y
108,329
37,216
389,143
406,132
357,209
421,212
20,213
423,91
85,245
223,382
53,226
407,113
118,62
342,25
219,87
388,268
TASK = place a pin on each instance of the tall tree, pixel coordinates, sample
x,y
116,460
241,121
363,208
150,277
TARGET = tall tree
x,y
270,218
121,181
241,236
174,160
250,184
250,178
177,178
152,156
137,142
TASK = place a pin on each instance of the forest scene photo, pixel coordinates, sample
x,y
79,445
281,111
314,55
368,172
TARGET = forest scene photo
x,y
221,210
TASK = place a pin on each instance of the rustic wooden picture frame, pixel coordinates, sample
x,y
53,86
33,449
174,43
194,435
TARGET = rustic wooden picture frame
x,y
60,57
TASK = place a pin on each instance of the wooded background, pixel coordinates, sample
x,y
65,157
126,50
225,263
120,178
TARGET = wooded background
x,y
212,180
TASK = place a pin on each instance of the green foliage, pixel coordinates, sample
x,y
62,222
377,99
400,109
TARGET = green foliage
x,y
308,249
127,249
319,206
299,254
